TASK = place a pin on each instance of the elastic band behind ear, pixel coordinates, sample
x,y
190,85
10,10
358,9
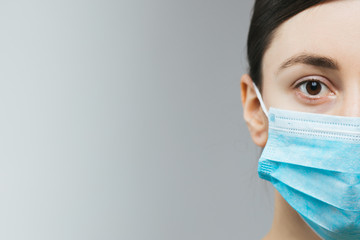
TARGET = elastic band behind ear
x,y
262,104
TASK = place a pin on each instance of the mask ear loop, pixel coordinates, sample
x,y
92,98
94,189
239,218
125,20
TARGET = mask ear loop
x,y
262,104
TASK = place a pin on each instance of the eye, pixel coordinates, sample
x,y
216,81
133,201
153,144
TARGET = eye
x,y
313,88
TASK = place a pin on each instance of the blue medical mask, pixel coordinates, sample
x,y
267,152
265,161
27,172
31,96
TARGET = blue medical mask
x,y
313,160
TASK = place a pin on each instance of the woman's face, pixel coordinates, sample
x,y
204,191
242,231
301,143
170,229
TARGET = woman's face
x,y
311,65
313,62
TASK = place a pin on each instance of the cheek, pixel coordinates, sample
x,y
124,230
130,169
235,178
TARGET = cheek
x,y
277,95
287,99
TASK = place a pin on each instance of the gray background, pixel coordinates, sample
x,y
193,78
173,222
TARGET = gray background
x,y
123,120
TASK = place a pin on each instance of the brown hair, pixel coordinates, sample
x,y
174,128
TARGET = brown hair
x,y
266,18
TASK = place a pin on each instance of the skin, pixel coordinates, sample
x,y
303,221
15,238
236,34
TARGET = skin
x,y
330,30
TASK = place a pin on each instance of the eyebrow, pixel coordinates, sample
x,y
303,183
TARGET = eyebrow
x,y
309,59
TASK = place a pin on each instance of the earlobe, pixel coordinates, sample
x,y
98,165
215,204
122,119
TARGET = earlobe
x,y
254,116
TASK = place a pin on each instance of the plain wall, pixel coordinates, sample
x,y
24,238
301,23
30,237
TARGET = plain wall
x,y
123,120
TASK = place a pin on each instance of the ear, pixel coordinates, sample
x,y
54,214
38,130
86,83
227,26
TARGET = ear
x,y
254,116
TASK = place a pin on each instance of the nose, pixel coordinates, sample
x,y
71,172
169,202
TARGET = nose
x,y
351,104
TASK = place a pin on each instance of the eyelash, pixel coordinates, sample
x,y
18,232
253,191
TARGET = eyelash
x,y
312,99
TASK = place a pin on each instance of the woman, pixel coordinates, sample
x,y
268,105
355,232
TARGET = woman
x,y
304,57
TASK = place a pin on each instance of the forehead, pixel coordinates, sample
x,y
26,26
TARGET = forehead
x,y
330,29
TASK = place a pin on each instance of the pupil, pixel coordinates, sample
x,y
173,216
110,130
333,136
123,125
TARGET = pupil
x,y
313,87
